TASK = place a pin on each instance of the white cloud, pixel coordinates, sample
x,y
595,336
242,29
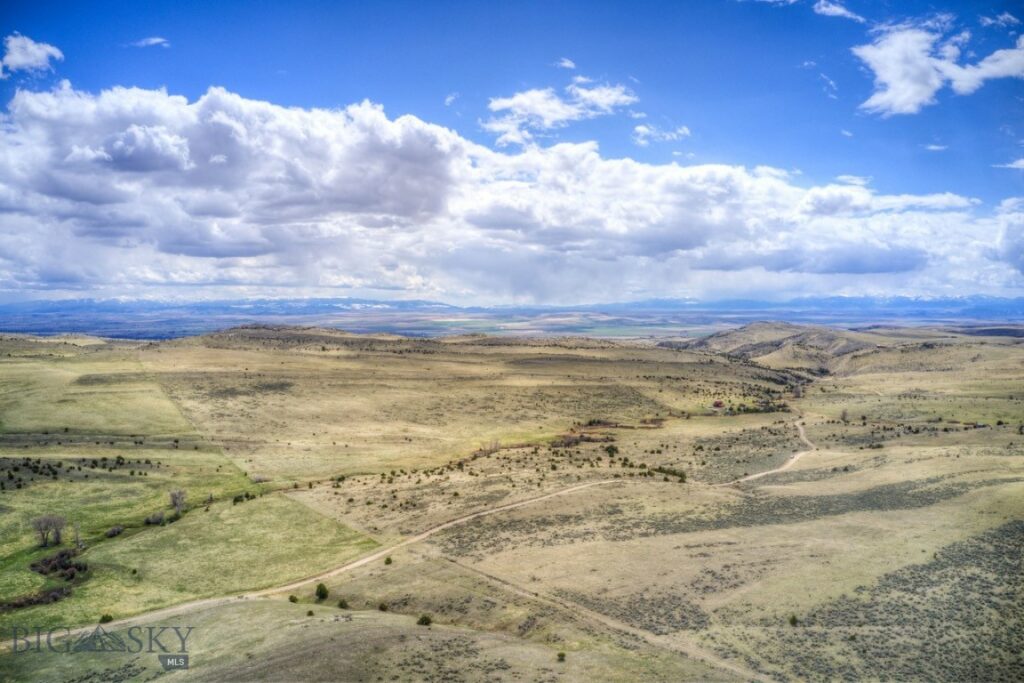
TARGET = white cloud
x,y
21,53
854,180
835,9
141,192
831,89
912,63
565,63
152,41
545,109
1018,164
644,134
845,133
1003,20
936,148
450,98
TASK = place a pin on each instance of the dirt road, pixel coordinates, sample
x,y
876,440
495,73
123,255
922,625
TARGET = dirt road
x,y
782,468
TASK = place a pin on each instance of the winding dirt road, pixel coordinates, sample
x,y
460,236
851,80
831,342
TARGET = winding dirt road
x,y
688,648
784,466
341,569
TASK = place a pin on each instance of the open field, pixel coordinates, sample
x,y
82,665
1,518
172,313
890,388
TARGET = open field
x,y
532,497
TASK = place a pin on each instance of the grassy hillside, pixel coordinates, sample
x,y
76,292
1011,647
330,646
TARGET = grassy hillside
x,y
816,504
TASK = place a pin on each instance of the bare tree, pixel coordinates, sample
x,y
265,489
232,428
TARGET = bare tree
x,y
178,500
44,525
58,528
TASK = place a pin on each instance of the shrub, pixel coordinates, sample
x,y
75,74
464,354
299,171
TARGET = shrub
x,y
793,621
292,598
155,518
561,656
387,560
106,619
383,607
114,531
343,603
424,620
309,613
321,591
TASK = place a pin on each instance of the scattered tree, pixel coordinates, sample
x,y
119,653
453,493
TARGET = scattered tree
x,y
178,501
343,604
45,525
321,591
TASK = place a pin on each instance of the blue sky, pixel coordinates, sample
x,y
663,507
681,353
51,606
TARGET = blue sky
x,y
919,101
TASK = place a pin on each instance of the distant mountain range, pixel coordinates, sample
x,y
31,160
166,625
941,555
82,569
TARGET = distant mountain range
x,y
148,319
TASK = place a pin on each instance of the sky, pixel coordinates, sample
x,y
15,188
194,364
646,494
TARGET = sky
x,y
512,152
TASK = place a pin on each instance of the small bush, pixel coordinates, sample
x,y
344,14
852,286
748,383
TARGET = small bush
x,y
114,531
424,620
292,598
383,607
343,603
561,656
793,621
155,519
387,560
106,619
309,613
321,592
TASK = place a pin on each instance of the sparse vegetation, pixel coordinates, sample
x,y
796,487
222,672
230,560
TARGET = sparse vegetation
x,y
565,463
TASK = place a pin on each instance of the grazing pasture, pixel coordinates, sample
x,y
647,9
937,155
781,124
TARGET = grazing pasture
x,y
770,503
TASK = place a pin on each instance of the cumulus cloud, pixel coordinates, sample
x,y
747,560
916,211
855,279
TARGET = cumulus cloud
x,y
21,53
1018,164
545,109
835,9
911,63
132,191
152,41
